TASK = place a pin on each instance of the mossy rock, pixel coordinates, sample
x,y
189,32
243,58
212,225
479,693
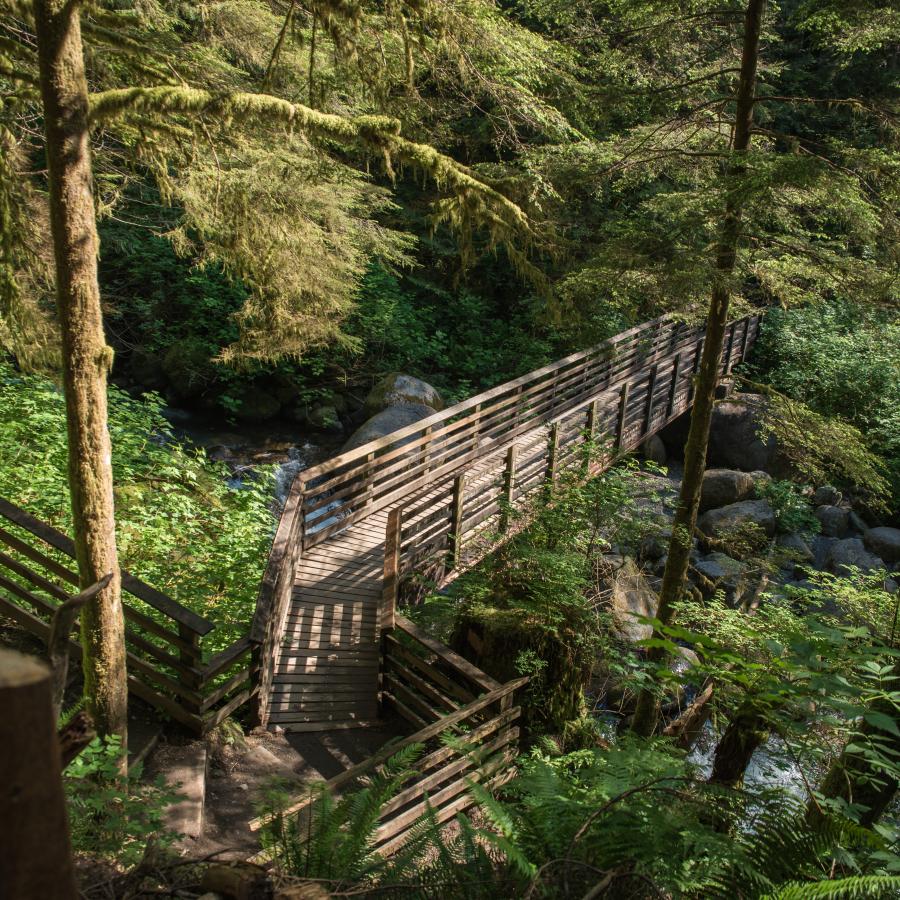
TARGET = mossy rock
x,y
188,370
401,390
495,641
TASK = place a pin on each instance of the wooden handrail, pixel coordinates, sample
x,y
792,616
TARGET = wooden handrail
x,y
452,659
469,404
386,752
132,585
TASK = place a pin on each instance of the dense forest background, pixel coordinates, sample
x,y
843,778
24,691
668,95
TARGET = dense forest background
x,y
256,274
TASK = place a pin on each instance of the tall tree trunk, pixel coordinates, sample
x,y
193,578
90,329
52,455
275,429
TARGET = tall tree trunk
x,y
86,357
745,733
857,779
646,714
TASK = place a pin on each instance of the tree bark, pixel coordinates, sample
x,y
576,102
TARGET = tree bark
x,y
35,851
86,357
646,714
745,733
857,780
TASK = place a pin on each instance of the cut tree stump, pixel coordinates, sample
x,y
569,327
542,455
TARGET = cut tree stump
x,y
35,850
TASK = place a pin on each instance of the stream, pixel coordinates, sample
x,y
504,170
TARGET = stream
x,y
243,447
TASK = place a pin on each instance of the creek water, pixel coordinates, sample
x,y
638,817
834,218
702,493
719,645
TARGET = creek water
x,y
244,447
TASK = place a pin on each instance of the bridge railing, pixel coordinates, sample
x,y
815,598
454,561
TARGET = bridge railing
x,y
379,474
168,666
483,752
462,517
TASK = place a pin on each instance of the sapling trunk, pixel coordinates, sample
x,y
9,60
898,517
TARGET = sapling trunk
x,y
646,713
86,356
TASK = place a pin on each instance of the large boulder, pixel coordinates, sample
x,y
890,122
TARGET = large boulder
x,y
734,439
852,552
721,573
253,403
630,596
654,450
884,542
736,516
835,520
722,487
387,421
401,390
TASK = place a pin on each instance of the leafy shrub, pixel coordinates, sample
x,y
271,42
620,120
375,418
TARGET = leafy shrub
x,y
112,815
179,525
792,511
842,360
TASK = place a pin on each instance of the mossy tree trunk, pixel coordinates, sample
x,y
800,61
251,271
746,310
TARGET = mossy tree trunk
x,y
857,778
745,733
646,714
86,356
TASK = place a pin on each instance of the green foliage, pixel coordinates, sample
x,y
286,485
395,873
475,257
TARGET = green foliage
x,y
112,815
792,510
824,450
842,361
179,525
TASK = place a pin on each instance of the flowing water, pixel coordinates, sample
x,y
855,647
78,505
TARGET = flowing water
x,y
244,447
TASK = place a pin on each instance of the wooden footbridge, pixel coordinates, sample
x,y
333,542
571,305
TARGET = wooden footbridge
x,y
327,648
433,497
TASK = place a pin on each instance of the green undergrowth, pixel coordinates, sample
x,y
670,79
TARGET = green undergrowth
x,y
533,607
180,527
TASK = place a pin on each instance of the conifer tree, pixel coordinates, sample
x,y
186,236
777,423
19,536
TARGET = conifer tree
x,y
86,358
681,541
173,114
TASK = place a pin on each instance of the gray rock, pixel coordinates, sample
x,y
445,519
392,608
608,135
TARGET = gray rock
x,y
385,422
654,450
852,552
716,566
798,549
630,596
834,520
254,403
761,480
719,522
857,523
821,547
653,546
401,390
325,417
827,496
724,486
884,542
734,440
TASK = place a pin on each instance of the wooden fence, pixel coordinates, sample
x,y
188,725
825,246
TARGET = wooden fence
x,y
380,474
167,666
597,418
483,750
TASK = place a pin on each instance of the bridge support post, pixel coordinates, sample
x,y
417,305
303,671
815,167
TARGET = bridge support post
x,y
456,518
553,453
648,406
730,348
692,387
509,484
673,387
391,586
623,408
745,340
